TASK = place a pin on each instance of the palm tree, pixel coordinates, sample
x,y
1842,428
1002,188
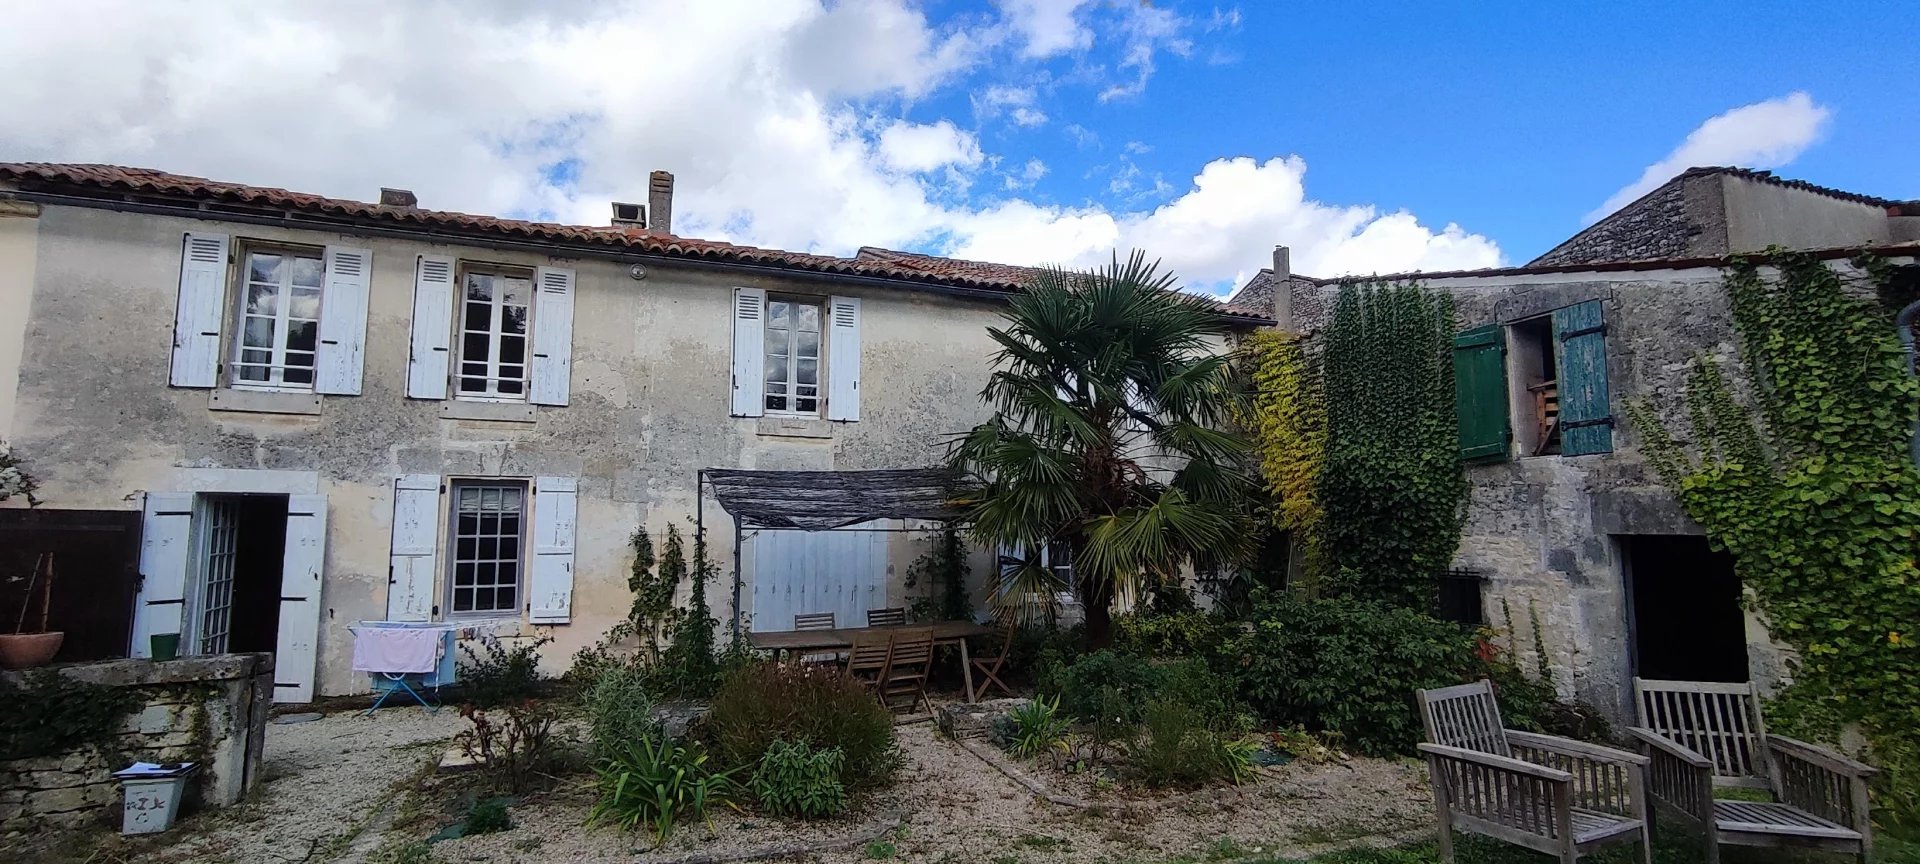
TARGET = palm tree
x,y
1107,437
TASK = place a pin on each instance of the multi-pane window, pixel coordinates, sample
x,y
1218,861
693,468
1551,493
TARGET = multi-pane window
x,y
793,357
493,334
279,319
489,521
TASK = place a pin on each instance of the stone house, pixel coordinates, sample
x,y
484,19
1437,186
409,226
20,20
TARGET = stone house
x,y
1567,525
332,411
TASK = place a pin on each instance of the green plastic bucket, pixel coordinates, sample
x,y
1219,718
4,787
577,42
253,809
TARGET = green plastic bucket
x,y
166,646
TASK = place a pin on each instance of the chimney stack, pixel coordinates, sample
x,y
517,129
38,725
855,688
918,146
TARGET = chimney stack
x,y
397,198
1283,289
627,215
660,202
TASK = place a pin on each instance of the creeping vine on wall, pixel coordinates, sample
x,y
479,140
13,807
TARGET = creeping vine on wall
x,y
1811,489
1287,421
1392,489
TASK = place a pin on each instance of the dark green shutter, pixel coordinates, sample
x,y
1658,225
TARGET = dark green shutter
x,y
1480,393
1586,408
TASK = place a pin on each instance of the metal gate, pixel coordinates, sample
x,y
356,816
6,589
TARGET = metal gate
x,y
219,542
843,571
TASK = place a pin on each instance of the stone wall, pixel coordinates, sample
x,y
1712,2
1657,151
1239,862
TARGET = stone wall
x,y
209,710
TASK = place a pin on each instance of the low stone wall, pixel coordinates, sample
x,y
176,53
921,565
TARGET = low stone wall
x,y
209,710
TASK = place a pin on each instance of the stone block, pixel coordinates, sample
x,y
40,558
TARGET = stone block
x,y
48,801
156,719
962,720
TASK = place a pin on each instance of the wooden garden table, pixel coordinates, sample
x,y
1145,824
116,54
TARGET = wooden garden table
x,y
841,638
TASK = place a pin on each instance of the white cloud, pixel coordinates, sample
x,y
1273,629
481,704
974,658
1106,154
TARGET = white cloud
x,y
918,147
1016,102
1048,27
781,120
1149,29
1762,135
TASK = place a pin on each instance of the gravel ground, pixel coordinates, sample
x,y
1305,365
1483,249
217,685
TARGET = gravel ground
x,y
325,781
958,808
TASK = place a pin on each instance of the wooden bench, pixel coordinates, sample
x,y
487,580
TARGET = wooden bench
x,y
1555,795
1702,736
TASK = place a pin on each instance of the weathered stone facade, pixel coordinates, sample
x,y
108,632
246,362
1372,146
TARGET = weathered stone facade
x,y
209,710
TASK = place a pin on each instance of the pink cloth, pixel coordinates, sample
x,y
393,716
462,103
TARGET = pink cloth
x,y
395,650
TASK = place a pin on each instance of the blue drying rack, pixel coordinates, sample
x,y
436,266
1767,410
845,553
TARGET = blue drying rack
x,y
415,684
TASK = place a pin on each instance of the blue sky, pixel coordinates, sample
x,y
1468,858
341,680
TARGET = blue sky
x,y
1368,137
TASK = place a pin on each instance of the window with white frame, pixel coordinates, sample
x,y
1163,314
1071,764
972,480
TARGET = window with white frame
x,y
489,527
793,356
494,308
278,318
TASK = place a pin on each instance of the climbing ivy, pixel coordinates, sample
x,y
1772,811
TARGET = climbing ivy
x,y
942,568
1809,486
1392,488
653,613
689,667
1286,418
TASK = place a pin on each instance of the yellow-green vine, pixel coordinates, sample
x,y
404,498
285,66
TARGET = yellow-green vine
x,y
1812,491
1287,421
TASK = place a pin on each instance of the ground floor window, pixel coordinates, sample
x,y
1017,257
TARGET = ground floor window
x,y
489,523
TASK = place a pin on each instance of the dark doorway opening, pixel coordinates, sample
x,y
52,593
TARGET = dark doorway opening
x,y
1684,609
243,540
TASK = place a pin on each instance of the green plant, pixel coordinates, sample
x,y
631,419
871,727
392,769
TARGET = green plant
x,y
412,853
795,780
689,667
1100,377
619,708
1287,421
1392,489
497,674
486,816
513,745
1038,728
765,702
1812,490
656,783
1350,667
943,569
1105,685
53,714
881,849
1182,749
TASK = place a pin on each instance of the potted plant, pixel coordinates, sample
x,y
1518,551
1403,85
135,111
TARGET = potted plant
x,y
21,649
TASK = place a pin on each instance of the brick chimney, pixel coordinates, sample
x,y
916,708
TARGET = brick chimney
x,y
1283,289
660,202
397,198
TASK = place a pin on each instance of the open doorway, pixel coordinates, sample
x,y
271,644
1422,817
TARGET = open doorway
x,y
1533,371
1683,609
239,558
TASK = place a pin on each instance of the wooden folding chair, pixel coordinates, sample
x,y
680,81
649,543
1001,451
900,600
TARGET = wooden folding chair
x,y
988,668
867,659
891,617
908,663
816,621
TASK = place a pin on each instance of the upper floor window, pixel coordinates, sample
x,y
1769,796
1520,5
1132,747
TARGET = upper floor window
x,y
793,357
278,318
493,333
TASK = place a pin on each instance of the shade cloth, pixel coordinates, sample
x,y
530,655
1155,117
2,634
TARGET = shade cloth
x,y
818,500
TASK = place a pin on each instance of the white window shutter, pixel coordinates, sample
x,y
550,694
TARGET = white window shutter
x,y
552,336
297,653
550,585
165,528
340,357
749,351
843,361
202,306
428,360
416,524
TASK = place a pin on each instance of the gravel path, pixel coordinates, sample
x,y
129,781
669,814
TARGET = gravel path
x,y
325,781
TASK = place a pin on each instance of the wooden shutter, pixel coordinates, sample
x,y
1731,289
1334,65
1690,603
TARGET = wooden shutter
x,y
416,524
1480,393
749,351
843,364
432,328
165,528
552,336
1586,407
296,654
201,307
550,583
341,355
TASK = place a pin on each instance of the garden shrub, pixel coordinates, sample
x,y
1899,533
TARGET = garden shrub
x,y
1182,748
656,783
766,702
513,744
619,708
487,816
1350,667
795,780
1188,634
496,674
1105,685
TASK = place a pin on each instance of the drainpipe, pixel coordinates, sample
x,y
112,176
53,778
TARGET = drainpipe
x,y
1904,324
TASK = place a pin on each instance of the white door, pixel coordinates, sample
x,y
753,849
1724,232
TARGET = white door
x,y
297,651
843,571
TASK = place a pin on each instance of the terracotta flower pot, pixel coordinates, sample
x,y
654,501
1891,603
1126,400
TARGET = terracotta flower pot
x,y
27,650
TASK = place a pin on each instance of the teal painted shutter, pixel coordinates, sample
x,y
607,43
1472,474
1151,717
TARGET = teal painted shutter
x,y
1480,393
1586,408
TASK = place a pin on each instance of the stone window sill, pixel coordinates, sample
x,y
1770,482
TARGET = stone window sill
x,y
498,412
794,427
264,402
